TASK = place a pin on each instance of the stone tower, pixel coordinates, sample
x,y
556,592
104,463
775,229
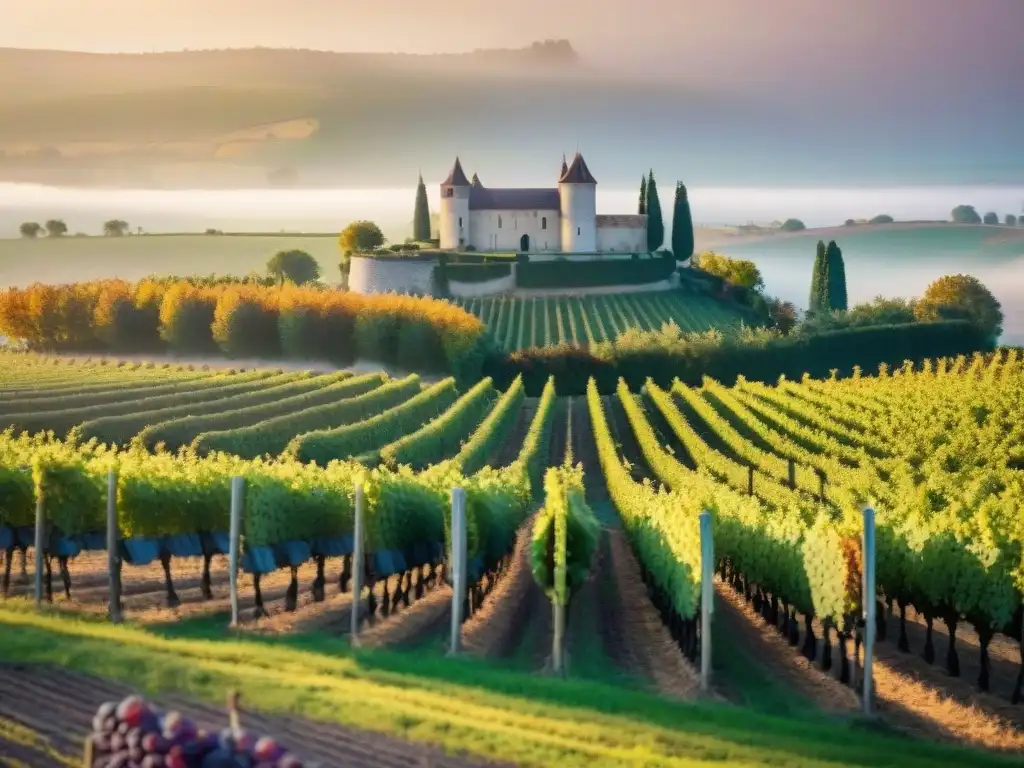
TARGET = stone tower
x,y
454,222
577,190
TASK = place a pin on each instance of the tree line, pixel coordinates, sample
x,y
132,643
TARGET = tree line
x,y
30,230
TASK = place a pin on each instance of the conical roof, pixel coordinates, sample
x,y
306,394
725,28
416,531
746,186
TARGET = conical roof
x,y
457,177
476,181
577,172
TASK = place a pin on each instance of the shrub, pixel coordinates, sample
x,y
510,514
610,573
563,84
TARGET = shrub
x,y
737,272
186,317
245,323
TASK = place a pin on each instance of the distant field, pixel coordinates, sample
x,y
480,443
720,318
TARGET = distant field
x,y
897,260
72,259
521,323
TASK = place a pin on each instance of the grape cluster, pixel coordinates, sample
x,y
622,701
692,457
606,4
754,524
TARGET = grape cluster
x,y
132,734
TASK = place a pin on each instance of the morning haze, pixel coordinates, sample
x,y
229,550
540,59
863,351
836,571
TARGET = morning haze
x,y
795,93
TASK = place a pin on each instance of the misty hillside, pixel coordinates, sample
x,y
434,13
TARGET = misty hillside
x,y
285,117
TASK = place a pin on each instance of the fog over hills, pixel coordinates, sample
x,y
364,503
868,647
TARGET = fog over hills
x,y
259,116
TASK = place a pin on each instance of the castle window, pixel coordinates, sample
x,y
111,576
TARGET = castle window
x,y
450,192
499,222
544,222
460,222
577,231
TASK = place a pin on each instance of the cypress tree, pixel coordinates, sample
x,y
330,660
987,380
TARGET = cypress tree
x,y
643,195
682,225
836,276
421,215
655,223
819,281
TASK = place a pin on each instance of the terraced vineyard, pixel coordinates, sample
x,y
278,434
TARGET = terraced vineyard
x,y
521,323
784,470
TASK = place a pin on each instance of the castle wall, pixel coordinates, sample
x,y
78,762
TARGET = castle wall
x,y
486,235
488,288
390,275
622,239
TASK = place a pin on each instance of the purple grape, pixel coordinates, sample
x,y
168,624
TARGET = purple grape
x,y
117,742
100,743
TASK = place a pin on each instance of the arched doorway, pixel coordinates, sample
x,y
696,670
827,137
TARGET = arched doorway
x,y
524,243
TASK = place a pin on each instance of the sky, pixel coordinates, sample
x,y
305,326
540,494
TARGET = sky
x,y
896,45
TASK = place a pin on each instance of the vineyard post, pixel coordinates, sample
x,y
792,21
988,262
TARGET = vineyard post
x,y
707,598
357,567
40,543
113,553
869,603
237,489
457,562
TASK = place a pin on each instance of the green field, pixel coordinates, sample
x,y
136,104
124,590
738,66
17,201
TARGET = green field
x,y
521,323
76,259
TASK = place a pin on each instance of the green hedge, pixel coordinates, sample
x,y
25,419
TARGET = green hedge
x,y
118,430
175,433
563,273
476,273
764,361
271,436
61,422
370,434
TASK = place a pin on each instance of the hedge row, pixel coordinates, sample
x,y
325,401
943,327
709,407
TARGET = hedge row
x,y
489,436
93,381
245,320
563,273
120,429
475,273
271,436
109,393
279,401
371,434
726,358
63,420
442,437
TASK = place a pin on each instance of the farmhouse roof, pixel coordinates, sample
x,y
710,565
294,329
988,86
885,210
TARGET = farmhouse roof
x,y
623,220
577,172
513,199
457,177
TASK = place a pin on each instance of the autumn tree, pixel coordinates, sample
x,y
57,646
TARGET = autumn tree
x,y
361,236
295,266
738,272
962,297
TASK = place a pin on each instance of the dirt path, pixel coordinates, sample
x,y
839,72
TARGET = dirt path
x,y
58,705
